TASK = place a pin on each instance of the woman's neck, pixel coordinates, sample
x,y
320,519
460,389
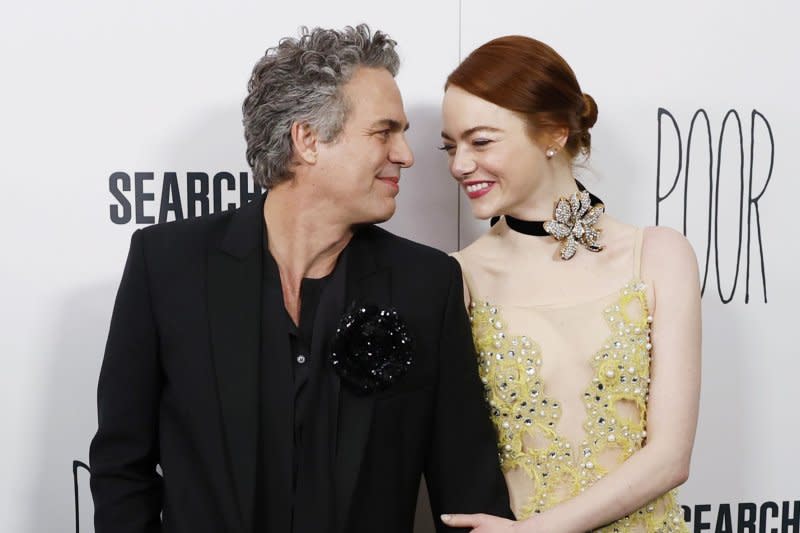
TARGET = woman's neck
x,y
557,183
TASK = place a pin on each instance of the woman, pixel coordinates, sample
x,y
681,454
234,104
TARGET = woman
x,y
587,328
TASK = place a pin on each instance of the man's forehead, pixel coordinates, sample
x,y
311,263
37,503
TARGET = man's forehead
x,y
375,99
383,113
394,124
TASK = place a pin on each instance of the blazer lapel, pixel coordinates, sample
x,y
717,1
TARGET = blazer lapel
x,y
368,283
234,307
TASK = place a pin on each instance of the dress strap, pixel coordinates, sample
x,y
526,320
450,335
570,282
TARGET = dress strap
x,y
473,296
637,253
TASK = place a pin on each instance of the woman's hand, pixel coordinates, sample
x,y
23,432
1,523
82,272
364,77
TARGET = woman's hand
x,y
480,523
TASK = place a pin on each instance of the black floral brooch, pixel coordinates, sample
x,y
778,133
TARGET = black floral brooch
x,y
371,349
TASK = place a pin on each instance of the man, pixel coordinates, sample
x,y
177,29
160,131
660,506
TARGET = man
x,y
290,366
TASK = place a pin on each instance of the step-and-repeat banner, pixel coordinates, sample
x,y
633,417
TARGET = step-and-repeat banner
x,y
116,115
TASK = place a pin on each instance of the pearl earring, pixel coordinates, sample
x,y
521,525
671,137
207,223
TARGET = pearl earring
x,y
550,152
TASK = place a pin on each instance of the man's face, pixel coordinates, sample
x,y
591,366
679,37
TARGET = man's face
x,y
357,175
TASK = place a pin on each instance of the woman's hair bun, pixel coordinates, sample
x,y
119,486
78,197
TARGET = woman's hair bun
x,y
588,115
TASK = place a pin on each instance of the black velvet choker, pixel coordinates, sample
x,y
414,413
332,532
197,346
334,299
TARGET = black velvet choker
x,y
536,227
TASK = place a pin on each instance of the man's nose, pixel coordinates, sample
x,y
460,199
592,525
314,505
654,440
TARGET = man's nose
x,y
401,152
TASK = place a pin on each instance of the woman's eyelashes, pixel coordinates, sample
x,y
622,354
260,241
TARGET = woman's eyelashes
x,y
477,143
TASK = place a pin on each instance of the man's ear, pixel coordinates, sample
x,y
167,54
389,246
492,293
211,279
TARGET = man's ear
x,y
304,142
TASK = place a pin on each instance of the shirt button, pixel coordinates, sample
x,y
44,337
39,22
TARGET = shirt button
x,y
301,359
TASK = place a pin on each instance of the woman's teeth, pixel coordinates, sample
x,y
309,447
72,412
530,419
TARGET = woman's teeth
x,y
477,187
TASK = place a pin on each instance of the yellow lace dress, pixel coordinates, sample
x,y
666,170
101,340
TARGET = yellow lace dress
x,y
606,342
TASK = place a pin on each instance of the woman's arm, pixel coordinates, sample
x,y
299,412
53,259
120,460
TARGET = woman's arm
x,y
663,463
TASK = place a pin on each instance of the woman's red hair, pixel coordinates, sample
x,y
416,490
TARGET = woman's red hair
x,y
527,76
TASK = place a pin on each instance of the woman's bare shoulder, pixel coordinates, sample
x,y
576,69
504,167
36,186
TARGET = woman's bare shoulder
x,y
668,256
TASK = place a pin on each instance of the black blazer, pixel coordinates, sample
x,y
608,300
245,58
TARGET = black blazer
x,y
179,387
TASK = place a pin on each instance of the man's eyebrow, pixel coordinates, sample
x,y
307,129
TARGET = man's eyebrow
x,y
470,131
392,124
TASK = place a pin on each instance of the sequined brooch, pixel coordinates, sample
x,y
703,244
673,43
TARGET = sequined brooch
x,y
574,222
371,349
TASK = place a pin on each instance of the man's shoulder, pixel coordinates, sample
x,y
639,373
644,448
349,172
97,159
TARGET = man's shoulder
x,y
186,228
183,237
403,252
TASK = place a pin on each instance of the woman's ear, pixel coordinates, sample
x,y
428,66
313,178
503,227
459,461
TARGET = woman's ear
x,y
558,137
553,141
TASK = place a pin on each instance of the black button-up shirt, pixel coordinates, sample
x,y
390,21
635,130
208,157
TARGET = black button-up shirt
x,y
308,492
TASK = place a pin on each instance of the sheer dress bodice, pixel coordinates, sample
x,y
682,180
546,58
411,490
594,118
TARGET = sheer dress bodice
x,y
567,385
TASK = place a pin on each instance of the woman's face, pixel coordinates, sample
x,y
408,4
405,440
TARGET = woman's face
x,y
490,153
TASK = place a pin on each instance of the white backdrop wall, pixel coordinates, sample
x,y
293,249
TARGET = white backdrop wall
x,y
105,102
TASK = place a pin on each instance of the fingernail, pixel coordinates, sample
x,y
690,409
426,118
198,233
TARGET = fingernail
x,y
446,518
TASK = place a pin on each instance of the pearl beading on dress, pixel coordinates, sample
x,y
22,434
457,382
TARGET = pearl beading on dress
x,y
510,367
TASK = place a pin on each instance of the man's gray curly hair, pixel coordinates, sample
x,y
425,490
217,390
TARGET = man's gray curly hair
x,y
301,80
